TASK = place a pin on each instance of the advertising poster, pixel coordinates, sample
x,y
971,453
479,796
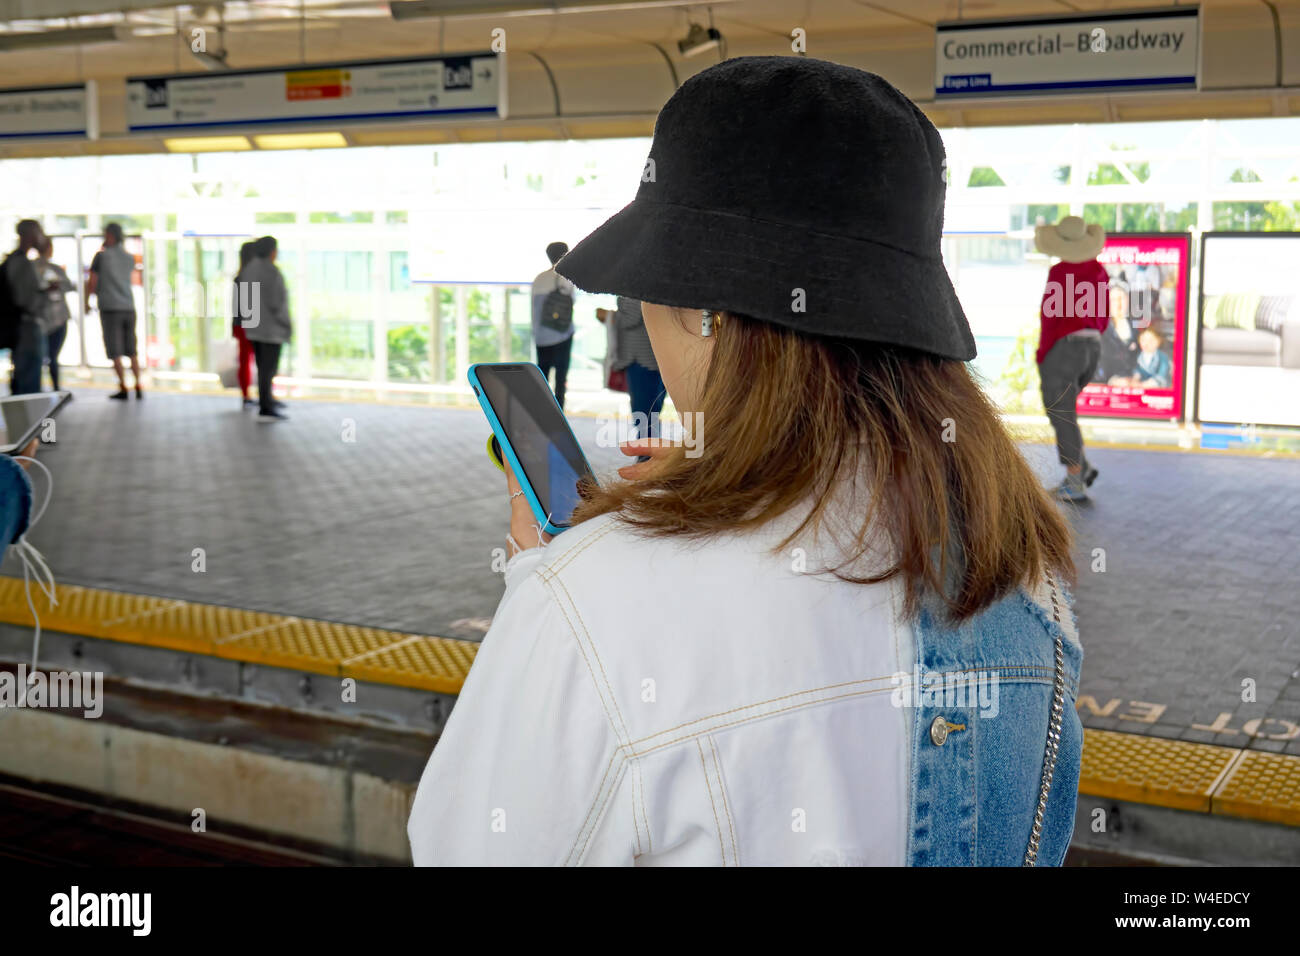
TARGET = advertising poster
x,y
1248,368
1143,347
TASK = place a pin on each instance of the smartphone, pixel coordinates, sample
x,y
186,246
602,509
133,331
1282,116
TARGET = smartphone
x,y
21,417
535,438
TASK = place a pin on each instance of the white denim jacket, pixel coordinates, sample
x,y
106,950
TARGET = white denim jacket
x,y
659,701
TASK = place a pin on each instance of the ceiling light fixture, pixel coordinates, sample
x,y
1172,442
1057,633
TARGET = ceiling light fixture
x,y
323,140
77,36
207,144
469,9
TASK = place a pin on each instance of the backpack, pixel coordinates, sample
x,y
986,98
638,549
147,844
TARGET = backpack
x,y
11,316
557,311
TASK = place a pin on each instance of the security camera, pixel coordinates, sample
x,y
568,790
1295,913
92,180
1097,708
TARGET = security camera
x,y
699,40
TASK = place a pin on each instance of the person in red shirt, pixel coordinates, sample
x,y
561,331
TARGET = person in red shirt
x,y
245,366
1075,309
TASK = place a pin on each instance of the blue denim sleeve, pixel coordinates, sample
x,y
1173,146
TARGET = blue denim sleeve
x,y
15,501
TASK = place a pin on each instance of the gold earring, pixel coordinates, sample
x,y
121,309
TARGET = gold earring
x,y
708,320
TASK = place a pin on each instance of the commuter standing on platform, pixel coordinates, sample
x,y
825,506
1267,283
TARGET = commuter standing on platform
x,y
553,320
752,689
109,281
57,285
645,386
1075,308
267,325
245,359
29,309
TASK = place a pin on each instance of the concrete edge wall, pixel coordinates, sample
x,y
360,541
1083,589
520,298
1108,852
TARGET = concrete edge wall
x,y
348,810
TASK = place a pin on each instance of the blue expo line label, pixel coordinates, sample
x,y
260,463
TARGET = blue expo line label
x,y
1153,82
968,81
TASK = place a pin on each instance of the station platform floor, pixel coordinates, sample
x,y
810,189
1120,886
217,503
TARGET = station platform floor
x,y
387,517
383,518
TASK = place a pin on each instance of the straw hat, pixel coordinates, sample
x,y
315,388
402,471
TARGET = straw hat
x,y
1070,240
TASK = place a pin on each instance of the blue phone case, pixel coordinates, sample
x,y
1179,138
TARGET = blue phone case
x,y
530,496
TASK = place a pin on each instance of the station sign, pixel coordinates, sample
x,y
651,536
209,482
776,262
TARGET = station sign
x,y
49,111
1154,49
362,92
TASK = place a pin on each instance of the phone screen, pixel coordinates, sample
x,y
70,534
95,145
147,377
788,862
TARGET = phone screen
x,y
539,434
21,415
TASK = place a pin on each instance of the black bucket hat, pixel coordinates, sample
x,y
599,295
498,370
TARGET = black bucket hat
x,y
777,184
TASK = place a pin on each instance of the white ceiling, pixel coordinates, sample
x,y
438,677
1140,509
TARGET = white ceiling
x,y
272,32
608,76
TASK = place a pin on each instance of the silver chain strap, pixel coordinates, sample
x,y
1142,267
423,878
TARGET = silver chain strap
x,y
1053,735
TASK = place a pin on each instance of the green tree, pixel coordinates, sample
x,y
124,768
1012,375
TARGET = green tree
x,y
408,354
1267,216
1018,383
1133,216
984,176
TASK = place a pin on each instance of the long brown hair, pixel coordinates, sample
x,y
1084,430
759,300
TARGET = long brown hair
x,y
787,416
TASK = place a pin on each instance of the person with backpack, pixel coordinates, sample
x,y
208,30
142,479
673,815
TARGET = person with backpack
x,y
553,320
23,310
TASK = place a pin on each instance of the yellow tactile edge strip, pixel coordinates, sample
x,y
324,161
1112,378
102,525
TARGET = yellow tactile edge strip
x,y
321,647
1136,768
1208,778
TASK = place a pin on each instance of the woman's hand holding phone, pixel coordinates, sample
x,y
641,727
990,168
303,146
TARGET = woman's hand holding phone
x,y
524,532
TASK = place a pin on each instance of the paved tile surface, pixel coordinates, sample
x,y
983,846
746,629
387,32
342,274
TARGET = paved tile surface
x,y
393,529
1199,596
1198,608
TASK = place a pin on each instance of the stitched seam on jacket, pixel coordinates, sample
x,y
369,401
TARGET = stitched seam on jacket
x,y
649,843
726,804
608,795
613,699
546,576
754,717
620,739
599,789
636,826
565,559
759,703
1045,672
709,787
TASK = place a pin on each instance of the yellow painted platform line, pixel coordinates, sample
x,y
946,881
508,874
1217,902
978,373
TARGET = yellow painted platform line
x,y
1201,778
1207,778
256,637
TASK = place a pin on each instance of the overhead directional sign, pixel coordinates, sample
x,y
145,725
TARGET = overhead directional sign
x,y
42,112
374,91
1154,49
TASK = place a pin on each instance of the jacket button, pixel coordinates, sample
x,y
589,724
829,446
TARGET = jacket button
x,y
938,731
